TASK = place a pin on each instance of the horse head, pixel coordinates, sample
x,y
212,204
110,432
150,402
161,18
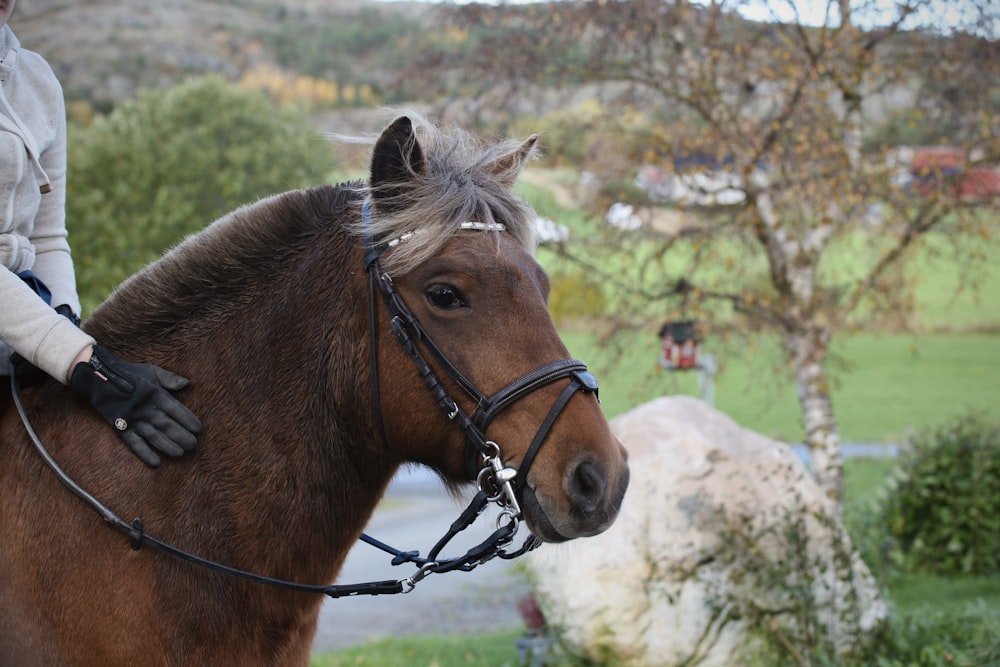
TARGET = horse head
x,y
464,313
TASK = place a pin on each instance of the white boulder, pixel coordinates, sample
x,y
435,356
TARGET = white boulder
x,y
723,532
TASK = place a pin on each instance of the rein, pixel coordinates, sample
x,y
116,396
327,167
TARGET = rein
x,y
496,483
139,537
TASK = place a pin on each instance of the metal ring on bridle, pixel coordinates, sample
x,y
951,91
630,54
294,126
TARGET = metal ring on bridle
x,y
497,481
512,524
496,451
411,582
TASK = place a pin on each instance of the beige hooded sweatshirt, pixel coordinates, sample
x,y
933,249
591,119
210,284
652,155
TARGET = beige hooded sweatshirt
x,y
33,214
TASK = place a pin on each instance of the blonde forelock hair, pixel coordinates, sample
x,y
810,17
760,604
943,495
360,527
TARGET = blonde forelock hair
x,y
464,179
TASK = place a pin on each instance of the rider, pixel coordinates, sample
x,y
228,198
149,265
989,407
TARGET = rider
x,y
36,270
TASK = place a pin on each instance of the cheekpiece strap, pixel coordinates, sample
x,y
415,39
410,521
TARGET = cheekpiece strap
x,y
372,251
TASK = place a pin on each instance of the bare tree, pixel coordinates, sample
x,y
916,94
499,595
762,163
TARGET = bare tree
x,y
801,116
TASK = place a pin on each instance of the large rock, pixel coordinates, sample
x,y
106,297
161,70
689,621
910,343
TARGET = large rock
x,y
723,539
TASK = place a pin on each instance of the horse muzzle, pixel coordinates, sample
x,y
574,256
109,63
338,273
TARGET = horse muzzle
x,y
592,495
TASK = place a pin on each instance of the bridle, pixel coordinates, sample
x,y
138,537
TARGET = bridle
x,y
496,483
408,332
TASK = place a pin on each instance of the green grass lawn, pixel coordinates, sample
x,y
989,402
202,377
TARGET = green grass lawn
x,y
885,385
494,650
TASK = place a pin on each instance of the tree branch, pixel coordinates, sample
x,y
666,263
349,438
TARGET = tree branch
x,y
924,221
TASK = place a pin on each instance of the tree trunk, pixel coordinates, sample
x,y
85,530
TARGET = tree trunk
x,y
850,90
808,351
853,134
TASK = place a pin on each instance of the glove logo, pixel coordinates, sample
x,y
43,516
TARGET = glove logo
x,y
121,424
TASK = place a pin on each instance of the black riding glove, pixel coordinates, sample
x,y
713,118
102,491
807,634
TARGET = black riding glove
x,y
135,400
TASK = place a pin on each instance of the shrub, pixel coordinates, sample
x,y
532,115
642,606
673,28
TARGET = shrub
x,y
168,162
926,637
799,588
941,509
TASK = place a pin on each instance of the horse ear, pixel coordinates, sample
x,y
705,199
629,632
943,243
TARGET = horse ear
x,y
395,160
506,168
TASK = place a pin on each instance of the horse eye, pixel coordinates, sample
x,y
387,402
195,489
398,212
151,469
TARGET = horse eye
x,y
446,297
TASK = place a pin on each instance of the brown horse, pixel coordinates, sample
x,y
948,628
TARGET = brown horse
x,y
310,404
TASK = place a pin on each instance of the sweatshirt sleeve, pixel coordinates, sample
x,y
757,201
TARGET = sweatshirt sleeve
x,y
33,329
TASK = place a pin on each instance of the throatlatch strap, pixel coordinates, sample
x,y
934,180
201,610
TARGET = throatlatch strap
x,y
376,395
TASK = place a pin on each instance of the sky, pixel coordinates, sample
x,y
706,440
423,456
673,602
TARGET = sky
x,y
942,13
945,14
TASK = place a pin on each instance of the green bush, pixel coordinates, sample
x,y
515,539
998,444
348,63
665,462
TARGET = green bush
x,y
941,510
926,638
168,162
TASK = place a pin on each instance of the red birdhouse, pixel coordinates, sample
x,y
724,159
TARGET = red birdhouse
x,y
680,345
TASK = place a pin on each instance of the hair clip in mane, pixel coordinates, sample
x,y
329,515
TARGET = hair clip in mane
x,y
392,243
484,226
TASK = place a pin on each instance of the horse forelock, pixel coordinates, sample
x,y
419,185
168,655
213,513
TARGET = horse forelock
x,y
459,183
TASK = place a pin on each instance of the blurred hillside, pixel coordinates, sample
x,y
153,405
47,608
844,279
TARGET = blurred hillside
x,y
339,59
104,51
335,54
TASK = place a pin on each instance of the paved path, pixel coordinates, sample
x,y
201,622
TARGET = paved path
x,y
417,512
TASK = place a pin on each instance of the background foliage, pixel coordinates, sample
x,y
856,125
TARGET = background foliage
x,y
168,162
941,509
779,117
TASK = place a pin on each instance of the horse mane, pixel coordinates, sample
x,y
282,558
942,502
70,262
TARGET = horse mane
x,y
465,178
244,243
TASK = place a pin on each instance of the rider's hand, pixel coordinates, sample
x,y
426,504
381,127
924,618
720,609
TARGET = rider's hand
x,y
135,400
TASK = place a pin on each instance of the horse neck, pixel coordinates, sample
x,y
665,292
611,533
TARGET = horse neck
x,y
309,467
303,472
280,378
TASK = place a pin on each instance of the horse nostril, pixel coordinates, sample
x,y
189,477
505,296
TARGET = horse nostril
x,y
585,486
